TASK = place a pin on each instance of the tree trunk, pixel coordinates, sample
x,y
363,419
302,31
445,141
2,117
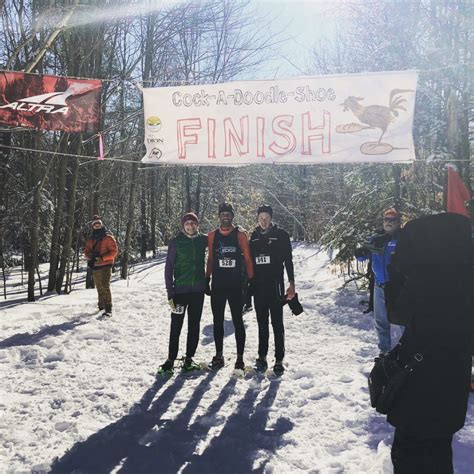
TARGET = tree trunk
x,y
128,233
57,224
71,206
397,194
189,201
34,224
153,211
143,226
197,206
39,280
95,189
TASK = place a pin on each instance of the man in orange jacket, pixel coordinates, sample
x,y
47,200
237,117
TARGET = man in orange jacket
x,y
100,252
229,252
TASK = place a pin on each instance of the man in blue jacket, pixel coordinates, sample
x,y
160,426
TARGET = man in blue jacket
x,y
380,249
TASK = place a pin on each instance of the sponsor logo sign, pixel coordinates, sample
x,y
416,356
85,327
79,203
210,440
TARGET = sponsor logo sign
x,y
49,102
155,154
153,124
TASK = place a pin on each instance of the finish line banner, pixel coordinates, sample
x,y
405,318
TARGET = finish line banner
x,y
49,102
351,118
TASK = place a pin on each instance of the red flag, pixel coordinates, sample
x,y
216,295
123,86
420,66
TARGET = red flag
x,y
49,102
458,194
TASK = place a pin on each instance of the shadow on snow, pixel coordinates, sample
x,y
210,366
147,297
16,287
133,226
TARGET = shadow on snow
x,y
208,332
144,442
243,437
26,339
104,450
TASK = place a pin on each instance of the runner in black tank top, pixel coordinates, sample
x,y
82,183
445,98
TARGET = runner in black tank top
x,y
228,252
227,262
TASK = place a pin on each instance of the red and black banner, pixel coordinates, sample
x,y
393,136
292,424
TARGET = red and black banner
x,y
49,102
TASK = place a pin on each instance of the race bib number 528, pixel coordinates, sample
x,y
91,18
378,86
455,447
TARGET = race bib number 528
x,y
227,263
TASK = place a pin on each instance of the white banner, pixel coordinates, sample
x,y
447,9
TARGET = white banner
x,y
351,118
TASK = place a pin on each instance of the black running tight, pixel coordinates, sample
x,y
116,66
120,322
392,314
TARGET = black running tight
x,y
193,303
218,301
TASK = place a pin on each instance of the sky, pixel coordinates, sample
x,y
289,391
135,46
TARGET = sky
x,y
304,24
300,24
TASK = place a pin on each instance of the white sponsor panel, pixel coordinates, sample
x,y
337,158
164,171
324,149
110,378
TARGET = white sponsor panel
x,y
322,119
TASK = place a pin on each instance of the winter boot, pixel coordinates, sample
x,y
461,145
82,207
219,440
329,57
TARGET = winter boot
x,y
278,368
261,364
189,365
217,362
167,368
239,363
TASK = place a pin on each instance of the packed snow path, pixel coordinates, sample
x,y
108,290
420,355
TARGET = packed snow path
x,y
84,392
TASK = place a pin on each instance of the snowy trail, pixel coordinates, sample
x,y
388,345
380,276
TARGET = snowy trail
x,y
71,382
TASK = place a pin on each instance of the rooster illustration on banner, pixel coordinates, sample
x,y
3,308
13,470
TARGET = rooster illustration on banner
x,y
374,117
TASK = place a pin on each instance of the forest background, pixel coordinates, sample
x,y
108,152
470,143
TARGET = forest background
x,y
51,183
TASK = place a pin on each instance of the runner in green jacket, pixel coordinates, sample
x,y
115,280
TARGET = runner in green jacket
x,y
185,284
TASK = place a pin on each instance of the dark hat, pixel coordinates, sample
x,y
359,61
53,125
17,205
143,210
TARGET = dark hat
x,y
226,207
294,305
392,212
189,216
265,208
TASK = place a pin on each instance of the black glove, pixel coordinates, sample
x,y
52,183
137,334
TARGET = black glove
x,y
91,262
380,241
207,289
360,252
294,305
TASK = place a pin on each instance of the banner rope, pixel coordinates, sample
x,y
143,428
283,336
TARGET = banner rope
x,y
119,158
70,155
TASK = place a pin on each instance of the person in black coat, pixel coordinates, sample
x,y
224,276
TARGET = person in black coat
x,y
271,252
471,216
432,264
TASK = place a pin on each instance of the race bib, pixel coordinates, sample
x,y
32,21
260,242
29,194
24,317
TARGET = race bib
x,y
262,260
227,263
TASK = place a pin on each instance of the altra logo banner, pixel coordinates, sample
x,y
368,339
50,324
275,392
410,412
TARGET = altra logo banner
x,y
49,102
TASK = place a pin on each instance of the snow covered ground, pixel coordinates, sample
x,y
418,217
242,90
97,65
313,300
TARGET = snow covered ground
x,y
84,391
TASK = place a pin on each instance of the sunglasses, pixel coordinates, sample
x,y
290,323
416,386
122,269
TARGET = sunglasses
x,y
97,222
391,219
